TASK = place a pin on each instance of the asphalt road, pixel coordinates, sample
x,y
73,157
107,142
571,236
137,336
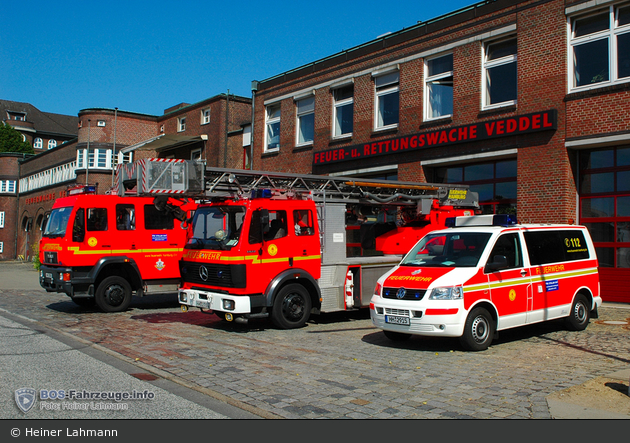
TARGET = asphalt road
x,y
338,366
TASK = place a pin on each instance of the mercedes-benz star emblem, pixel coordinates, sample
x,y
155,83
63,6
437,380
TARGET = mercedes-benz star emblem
x,y
400,294
203,273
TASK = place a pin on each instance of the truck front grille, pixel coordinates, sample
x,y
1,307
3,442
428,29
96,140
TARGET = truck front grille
x,y
212,274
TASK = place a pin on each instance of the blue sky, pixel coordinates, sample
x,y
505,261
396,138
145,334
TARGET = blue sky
x,y
146,56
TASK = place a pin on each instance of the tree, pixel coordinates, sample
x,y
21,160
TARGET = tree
x,y
11,141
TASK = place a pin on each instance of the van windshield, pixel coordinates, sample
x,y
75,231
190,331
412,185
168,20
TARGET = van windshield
x,y
57,222
448,249
216,227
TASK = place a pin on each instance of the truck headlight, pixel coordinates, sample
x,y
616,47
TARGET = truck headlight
x,y
449,293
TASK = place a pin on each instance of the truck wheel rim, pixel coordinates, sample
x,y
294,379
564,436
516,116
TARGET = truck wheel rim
x,y
114,295
293,307
580,312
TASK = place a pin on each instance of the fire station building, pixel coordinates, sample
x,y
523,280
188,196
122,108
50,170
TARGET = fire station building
x,y
526,101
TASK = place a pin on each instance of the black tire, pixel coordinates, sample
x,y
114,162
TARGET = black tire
x,y
580,314
292,307
397,336
113,294
84,302
478,331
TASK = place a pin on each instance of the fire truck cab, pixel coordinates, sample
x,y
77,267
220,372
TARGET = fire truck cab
x,y
104,248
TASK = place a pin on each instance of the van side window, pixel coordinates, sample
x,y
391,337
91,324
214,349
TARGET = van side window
x,y
555,246
156,219
303,222
509,246
96,219
125,218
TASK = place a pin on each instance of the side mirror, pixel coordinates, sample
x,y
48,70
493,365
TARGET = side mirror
x,y
498,262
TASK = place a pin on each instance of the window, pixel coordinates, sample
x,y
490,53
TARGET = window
x,y
100,123
1,219
96,219
495,182
439,87
38,144
546,247
1,247
509,246
600,47
181,124
277,225
52,143
305,120
343,110
205,116
605,203
7,186
387,100
195,155
500,73
156,219
303,222
125,218
272,135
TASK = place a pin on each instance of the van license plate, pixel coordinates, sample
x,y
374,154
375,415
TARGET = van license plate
x,y
397,320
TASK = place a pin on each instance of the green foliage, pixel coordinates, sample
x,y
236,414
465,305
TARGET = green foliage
x,y
11,141
36,262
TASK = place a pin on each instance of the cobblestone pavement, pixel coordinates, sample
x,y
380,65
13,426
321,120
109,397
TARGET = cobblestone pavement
x,y
340,366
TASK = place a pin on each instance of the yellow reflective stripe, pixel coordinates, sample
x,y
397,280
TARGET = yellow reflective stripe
x,y
77,251
558,275
307,257
534,279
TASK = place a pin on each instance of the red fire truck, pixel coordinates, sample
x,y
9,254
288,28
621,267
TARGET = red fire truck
x,y
104,248
286,246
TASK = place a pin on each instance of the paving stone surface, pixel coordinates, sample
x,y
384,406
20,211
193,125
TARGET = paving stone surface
x,y
339,365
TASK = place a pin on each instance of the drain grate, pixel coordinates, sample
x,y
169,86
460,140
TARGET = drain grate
x,y
144,376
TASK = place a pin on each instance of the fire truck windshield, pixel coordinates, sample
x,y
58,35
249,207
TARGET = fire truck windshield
x,y
216,227
57,222
448,250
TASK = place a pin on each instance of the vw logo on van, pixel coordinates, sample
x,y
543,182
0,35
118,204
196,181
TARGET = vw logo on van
x,y
400,294
203,273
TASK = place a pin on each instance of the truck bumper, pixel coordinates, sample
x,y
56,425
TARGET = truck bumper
x,y
60,279
215,301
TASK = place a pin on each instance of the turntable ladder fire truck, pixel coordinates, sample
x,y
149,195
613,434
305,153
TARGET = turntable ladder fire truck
x,y
267,244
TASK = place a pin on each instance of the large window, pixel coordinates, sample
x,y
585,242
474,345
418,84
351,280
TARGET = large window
x,y
600,47
605,203
439,87
272,134
343,110
305,120
387,100
494,181
499,86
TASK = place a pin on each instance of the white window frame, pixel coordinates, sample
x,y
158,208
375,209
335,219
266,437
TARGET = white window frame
x,y
428,81
487,65
272,121
340,103
304,107
391,87
1,219
1,247
38,143
205,116
181,124
52,143
7,186
609,34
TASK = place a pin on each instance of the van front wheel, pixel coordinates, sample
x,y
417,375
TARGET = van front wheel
x,y
580,314
478,331
113,294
